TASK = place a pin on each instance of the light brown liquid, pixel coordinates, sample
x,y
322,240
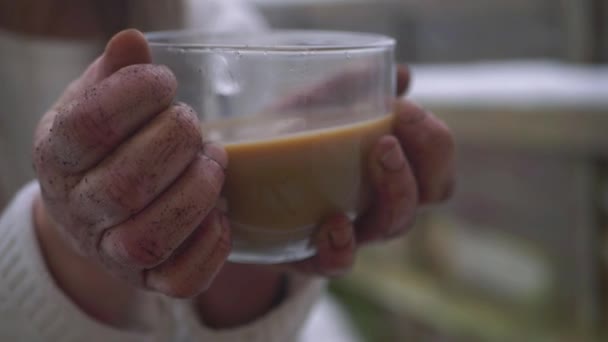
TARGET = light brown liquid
x,y
290,183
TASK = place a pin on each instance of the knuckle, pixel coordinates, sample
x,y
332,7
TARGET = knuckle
x,y
90,125
86,117
179,134
125,189
185,123
210,175
216,153
53,181
40,155
159,81
76,129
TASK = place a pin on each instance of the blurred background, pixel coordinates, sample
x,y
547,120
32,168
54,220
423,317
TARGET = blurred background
x,y
521,252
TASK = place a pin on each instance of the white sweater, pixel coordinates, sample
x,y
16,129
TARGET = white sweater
x,y
33,308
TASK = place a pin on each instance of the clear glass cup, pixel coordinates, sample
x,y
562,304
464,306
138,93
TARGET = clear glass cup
x,y
297,112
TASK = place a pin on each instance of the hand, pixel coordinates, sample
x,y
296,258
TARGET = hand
x,y
411,168
125,177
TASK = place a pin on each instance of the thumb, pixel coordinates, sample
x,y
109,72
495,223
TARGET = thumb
x,y
126,48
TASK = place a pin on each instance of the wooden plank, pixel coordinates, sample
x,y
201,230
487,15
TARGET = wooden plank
x,y
545,106
566,133
579,22
601,9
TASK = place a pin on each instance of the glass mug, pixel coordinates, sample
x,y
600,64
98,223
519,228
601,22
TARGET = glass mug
x,y
298,113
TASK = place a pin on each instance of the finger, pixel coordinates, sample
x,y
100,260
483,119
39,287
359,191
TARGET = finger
x,y
140,169
126,48
193,267
343,87
346,86
403,79
429,146
395,193
151,236
336,246
85,130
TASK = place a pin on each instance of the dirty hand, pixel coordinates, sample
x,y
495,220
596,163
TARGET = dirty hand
x,y
125,177
411,168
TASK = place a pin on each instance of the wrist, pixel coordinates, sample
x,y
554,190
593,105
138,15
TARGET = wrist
x,y
81,279
241,294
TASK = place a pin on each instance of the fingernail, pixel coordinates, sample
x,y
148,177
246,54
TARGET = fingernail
x,y
393,160
340,233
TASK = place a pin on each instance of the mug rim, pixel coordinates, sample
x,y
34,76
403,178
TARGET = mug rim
x,y
268,40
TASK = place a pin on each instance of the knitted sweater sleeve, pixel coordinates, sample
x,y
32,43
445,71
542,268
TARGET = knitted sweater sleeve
x,y
33,308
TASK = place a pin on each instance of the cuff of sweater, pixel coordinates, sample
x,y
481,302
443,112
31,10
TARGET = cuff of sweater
x,y
281,324
36,308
